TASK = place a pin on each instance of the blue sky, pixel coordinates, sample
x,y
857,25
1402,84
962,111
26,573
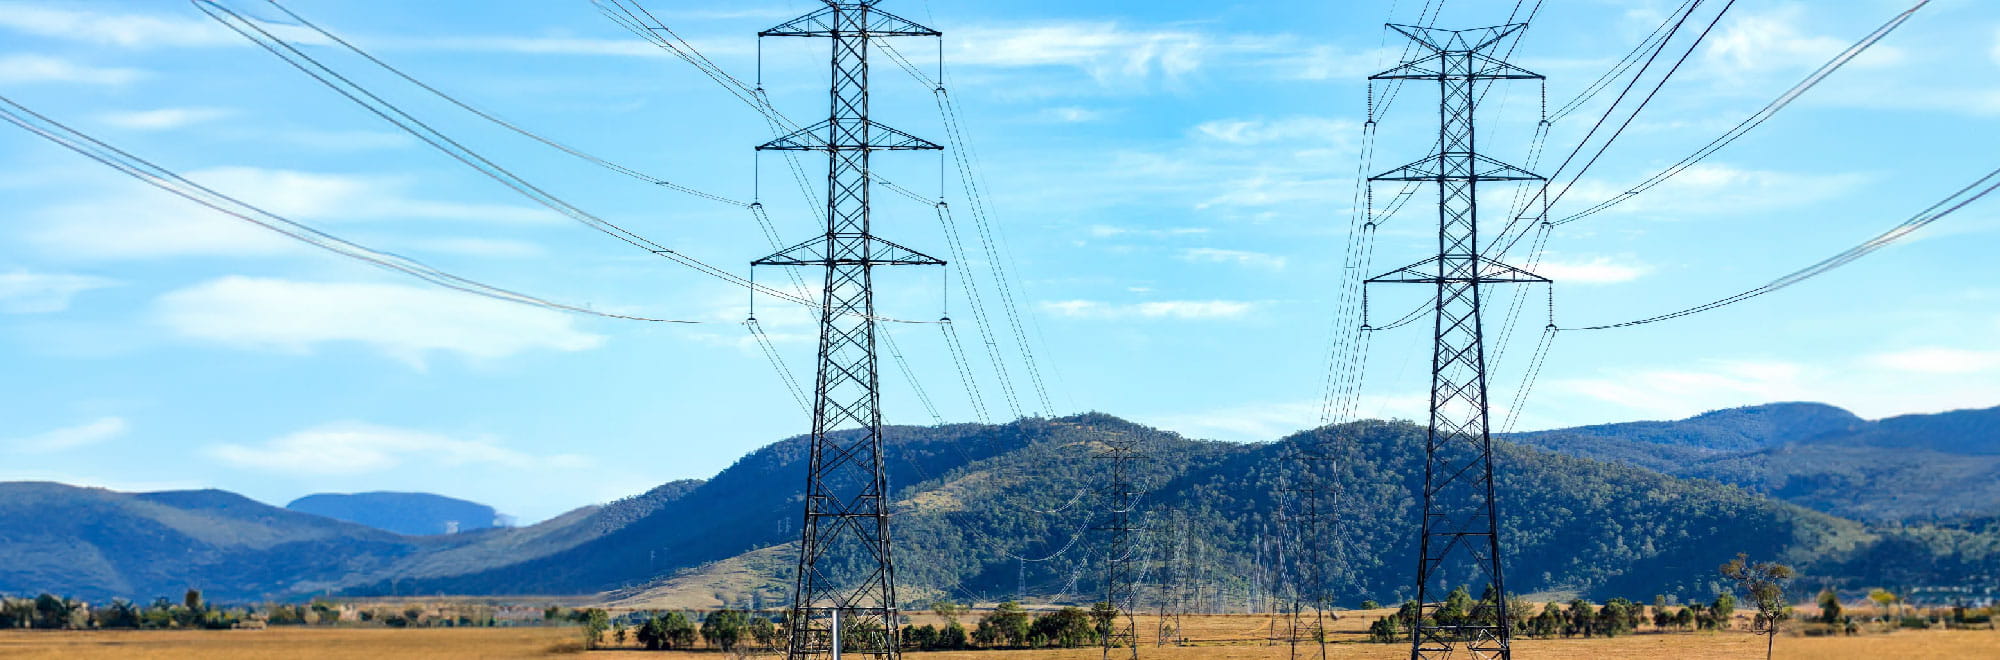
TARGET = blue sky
x,y
1172,182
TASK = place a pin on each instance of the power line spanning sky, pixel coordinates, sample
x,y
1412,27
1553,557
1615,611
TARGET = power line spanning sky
x,y
1172,182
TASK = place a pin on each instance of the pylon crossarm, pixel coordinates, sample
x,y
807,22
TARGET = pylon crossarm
x,y
822,23
880,138
1451,166
1426,272
879,252
1440,39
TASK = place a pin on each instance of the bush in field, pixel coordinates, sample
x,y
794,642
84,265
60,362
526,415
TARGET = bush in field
x,y
1006,625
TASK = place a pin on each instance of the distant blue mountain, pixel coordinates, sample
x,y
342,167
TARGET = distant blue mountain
x,y
412,514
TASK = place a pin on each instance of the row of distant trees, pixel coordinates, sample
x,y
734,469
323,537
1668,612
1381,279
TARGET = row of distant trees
x,y
1007,626
51,612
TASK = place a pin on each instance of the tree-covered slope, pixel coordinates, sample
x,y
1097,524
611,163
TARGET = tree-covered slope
x,y
99,544
1904,469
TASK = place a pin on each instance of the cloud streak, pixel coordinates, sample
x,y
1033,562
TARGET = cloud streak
x,y
22,69
352,448
1163,309
406,323
72,437
23,292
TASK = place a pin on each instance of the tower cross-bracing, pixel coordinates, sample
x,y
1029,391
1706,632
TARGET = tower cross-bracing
x,y
845,570
1460,541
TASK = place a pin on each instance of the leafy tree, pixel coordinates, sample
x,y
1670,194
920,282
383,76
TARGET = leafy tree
x,y
1006,625
1582,618
1882,598
953,637
595,621
765,632
725,628
1722,610
1618,616
1456,610
1103,615
678,630
922,638
1829,606
619,632
1370,605
652,633
1764,583
1068,627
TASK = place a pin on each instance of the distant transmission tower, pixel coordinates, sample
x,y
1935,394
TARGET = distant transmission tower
x,y
1461,526
845,571
1307,527
1120,497
1173,590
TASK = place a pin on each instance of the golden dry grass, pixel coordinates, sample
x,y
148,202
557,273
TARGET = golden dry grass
x,y
561,642
383,643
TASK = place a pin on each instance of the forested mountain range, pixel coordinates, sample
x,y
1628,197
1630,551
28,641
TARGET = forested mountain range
x,y
984,509
1912,468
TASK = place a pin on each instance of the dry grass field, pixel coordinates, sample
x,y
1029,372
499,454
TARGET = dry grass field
x,y
1212,638
383,643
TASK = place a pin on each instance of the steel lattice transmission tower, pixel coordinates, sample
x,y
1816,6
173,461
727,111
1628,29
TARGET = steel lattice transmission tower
x,y
1120,497
1460,525
845,570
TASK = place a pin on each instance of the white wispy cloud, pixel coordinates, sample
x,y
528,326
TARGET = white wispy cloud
x,y
1939,360
1162,309
1774,40
72,437
540,46
24,292
406,323
354,448
1720,187
27,68
1072,114
1109,53
135,221
124,30
1108,231
136,31
1311,130
1601,270
1238,257
164,118
1671,393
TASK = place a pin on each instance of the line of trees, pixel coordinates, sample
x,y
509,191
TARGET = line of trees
x,y
51,612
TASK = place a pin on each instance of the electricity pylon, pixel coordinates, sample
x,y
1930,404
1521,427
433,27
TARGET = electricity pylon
x,y
1460,525
846,576
1121,496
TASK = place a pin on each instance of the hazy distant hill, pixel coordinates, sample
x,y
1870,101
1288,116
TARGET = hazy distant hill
x,y
100,544
415,514
1908,468
983,508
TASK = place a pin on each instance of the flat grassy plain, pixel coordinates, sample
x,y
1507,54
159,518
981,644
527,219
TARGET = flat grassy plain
x,y
1213,638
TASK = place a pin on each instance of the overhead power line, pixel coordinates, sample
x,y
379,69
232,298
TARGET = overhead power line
x,y
1984,186
169,181
1753,121
503,123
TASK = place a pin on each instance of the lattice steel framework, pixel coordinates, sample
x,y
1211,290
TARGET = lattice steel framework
x,y
1306,525
844,561
1121,497
1460,524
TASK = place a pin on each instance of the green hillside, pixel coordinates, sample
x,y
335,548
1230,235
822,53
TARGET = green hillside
x,y
983,511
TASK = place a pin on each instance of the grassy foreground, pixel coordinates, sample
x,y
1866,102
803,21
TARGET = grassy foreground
x,y
562,642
